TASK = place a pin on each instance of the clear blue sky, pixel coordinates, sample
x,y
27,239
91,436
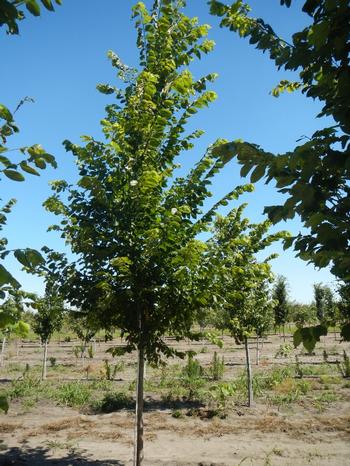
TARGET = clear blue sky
x,y
60,57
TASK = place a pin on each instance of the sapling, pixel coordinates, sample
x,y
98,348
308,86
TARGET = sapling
x,y
47,320
242,283
11,311
281,305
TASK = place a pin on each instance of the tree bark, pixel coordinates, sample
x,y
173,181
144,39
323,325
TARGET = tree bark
x,y
2,351
138,441
43,373
257,351
249,373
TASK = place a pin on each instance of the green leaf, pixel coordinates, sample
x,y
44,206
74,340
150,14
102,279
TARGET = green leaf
x,y
5,161
245,169
4,404
7,278
297,338
258,173
48,5
28,257
13,175
27,168
33,7
40,163
5,113
22,329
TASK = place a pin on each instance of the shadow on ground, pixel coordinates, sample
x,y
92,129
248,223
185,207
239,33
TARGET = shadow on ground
x,y
40,457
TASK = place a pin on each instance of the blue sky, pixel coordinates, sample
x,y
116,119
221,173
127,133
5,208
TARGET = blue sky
x,y
60,57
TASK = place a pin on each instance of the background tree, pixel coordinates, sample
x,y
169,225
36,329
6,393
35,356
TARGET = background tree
x,y
47,320
11,311
84,326
281,307
302,314
132,223
344,309
241,282
325,304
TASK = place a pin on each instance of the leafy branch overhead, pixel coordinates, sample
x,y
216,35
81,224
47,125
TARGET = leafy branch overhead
x,y
314,176
11,11
35,157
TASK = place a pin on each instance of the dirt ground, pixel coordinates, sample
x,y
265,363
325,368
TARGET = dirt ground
x,y
296,434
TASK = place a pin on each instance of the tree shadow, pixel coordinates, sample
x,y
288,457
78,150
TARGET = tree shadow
x,y
151,404
40,457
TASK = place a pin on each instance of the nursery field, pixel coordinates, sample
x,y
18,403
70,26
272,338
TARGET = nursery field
x,y
195,410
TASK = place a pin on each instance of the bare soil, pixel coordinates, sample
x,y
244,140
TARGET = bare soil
x,y
295,434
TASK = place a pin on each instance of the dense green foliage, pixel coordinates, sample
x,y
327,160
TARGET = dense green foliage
x,y
325,304
241,281
48,317
315,174
280,296
12,309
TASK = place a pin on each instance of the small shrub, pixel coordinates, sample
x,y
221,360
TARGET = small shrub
x,y
110,371
217,367
220,394
304,386
327,397
192,377
177,414
76,351
26,387
90,352
53,361
298,368
344,366
67,339
284,351
329,380
74,394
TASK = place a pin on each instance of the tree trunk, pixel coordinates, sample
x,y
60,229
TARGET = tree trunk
x,y
2,351
43,373
284,333
249,374
138,441
257,351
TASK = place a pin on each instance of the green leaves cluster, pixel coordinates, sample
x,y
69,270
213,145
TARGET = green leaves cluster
x,y
49,315
11,11
28,257
241,281
280,296
11,311
315,175
36,156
